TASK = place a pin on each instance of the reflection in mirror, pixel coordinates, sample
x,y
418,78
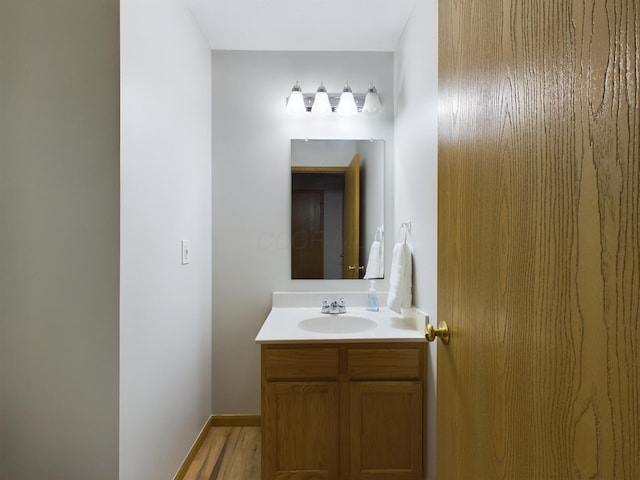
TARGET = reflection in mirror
x,y
337,209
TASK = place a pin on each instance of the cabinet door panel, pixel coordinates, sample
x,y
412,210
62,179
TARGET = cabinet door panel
x,y
301,430
386,430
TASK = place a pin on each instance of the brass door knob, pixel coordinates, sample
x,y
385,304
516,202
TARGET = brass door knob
x,y
442,331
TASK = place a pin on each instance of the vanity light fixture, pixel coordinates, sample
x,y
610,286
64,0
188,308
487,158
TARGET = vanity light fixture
x,y
322,102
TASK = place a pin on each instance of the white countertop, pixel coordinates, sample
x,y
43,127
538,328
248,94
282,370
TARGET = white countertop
x,y
282,323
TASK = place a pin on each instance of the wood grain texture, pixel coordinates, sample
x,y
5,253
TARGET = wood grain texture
x,y
386,430
301,428
227,453
233,420
539,239
351,221
334,424
300,362
195,448
369,363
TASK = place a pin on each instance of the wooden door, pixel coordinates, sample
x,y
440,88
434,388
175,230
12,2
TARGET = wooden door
x,y
539,243
301,425
307,234
385,430
351,220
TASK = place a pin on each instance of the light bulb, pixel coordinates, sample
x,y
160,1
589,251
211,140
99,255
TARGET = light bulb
x,y
347,104
321,101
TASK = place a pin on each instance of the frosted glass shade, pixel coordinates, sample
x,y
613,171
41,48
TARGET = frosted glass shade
x,y
371,101
347,104
295,104
321,102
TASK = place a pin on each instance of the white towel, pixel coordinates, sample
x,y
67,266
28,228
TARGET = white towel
x,y
400,278
375,265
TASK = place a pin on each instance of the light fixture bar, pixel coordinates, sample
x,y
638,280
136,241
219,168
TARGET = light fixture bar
x,y
334,99
323,102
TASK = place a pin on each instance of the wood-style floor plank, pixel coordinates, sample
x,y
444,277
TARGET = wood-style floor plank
x,y
227,453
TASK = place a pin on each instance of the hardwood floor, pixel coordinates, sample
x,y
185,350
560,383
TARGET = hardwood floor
x,y
227,453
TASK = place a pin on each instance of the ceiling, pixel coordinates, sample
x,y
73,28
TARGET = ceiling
x,y
307,25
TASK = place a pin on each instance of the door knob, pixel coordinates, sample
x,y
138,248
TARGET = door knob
x,y
442,331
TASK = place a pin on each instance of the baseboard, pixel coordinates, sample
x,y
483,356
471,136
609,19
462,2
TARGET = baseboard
x,y
235,420
215,421
194,449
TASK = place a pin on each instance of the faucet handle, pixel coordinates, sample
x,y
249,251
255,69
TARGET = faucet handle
x,y
325,305
342,305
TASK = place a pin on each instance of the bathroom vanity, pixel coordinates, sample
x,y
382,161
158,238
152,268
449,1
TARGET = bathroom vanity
x,y
344,404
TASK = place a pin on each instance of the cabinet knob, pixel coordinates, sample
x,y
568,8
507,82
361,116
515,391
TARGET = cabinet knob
x,y
442,331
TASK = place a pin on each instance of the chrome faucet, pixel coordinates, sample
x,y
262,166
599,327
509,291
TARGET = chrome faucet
x,y
337,306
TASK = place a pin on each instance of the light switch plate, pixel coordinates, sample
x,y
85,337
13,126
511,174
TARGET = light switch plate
x,y
186,252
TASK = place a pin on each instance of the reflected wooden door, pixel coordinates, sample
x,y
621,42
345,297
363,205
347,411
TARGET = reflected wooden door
x,y
351,220
307,234
539,242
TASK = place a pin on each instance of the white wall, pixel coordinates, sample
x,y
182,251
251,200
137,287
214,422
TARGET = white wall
x,y
165,334
416,174
251,192
372,190
59,207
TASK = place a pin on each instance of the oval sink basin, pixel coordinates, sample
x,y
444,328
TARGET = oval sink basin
x,y
337,324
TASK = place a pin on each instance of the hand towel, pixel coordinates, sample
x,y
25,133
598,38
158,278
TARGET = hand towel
x,y
375,265
400,278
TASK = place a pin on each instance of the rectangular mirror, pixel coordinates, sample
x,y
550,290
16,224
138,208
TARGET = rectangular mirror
x,y
337,209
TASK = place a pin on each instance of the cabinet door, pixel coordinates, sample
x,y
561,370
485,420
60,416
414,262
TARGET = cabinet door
x,y
301,430
386,430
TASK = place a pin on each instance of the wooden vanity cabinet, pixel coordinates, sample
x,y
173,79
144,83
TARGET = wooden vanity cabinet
x,y
342,411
